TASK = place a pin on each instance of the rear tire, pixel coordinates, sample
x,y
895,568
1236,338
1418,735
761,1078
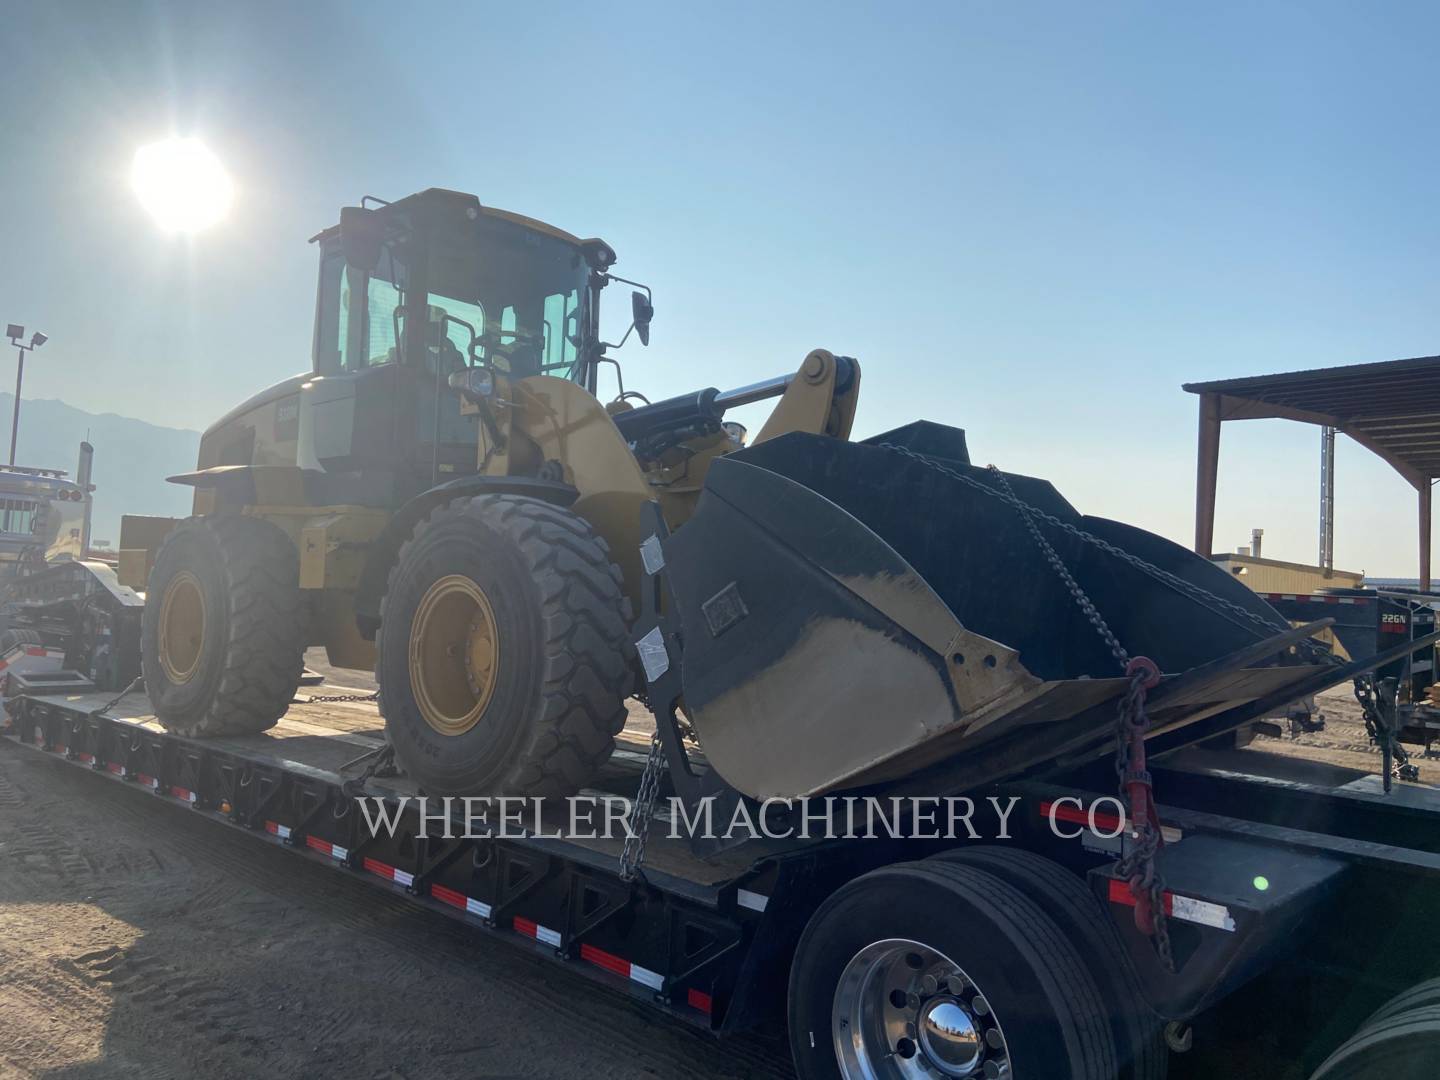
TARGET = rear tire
x,y
1403,1047
222,636
504,657
1138,1033
1420,996
1036,991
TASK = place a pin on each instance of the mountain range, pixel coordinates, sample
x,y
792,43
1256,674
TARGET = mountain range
x,y
132,458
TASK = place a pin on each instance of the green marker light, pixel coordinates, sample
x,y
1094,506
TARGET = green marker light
x,y
1261,882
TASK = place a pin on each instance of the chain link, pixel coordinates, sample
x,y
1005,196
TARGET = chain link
x,y
322,699
632,856
135,684
1227,609
381,763
1137,862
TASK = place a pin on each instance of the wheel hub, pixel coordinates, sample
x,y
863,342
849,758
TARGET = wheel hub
x,y
904,1010
182,627
950,1037
454,654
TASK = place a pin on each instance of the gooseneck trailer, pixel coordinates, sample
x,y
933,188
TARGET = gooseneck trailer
x,y
1012,954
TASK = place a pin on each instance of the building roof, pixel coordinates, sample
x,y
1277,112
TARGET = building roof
x,y
1391,408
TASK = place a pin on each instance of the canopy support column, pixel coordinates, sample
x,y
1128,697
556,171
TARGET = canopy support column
x,y
1206,473
1424,534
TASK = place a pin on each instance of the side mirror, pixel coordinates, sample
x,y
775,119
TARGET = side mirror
x,y
361,235
641,312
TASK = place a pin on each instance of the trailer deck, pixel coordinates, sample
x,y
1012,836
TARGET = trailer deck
x,y
708,939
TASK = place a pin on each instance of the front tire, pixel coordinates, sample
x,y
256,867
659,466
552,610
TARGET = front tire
x,y
503,655
222,636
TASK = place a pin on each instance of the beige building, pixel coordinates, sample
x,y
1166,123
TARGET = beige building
x,y
1274,576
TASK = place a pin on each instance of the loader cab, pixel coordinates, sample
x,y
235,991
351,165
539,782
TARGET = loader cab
x,y
413,291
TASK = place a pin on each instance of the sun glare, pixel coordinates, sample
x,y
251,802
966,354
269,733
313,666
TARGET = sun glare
x,y
182,184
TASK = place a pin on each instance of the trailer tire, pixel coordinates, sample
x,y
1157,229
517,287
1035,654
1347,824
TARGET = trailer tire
x,y
1034,983
233,668
1420,996
1402,1047
18,636
1138,1032
532,706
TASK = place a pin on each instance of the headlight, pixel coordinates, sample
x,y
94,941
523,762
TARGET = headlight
x,y
474,383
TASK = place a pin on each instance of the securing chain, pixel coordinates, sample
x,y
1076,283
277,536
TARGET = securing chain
x,y
1378,706
642,810
1136,789
381,763
1226,609
323,699
135,684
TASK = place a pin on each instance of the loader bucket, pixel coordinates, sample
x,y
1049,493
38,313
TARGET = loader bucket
x,y
851,615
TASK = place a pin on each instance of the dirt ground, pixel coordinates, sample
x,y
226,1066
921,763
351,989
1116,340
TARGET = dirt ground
x,y
139,941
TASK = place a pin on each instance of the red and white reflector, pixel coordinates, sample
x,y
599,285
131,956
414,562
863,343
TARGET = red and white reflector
x,y
536,931
184,794
148,781
335,851
388,872
459,900
274,828
1184,908
115,767
618,965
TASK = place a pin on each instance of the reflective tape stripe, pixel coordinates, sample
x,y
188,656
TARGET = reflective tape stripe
x,y
335,851
385,870
115,767
698,999
182,793
622,967
753,900
1107,822
1184,908
536,931
276,829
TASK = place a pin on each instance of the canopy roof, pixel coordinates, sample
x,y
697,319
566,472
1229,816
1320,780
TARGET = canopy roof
x,y
1392,408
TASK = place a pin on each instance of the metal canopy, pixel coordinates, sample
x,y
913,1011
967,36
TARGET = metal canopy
x,y
1390,408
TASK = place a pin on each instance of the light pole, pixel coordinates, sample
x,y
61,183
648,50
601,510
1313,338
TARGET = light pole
x,y
16,332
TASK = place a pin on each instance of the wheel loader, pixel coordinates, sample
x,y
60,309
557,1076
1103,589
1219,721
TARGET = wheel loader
x,y
445,496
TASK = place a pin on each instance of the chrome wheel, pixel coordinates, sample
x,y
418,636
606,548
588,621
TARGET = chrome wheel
x,y
903,1009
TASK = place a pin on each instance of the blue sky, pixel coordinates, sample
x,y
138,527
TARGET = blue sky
x,y
1033,221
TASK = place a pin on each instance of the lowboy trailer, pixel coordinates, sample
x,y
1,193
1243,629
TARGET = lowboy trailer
x,y
891,957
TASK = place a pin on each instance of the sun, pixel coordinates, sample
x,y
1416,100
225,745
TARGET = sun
x,y
182,184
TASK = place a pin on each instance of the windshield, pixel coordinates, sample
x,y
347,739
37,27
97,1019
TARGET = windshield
x,y
518,291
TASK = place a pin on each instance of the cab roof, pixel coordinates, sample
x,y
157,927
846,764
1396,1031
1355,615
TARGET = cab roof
x,y
468,201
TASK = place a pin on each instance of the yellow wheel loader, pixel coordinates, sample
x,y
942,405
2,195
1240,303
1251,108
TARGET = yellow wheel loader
x,y
444,496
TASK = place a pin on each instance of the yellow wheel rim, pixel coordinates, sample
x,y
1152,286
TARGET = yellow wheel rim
x,y
182,627
454,654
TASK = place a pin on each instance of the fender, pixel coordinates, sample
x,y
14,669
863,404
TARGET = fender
x,y
386,547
